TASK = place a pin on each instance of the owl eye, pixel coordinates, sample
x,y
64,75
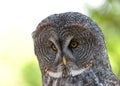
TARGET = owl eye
x,y
53,47
73,44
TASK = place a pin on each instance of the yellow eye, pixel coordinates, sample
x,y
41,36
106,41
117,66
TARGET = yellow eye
x,y
53,47
73,44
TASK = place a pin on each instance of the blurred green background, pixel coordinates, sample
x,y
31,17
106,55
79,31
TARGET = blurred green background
x,y
19,65
107,17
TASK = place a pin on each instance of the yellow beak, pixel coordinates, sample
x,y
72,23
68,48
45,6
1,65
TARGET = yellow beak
x,y
64,60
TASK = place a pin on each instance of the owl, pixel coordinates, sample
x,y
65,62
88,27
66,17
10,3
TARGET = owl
x,y
71,51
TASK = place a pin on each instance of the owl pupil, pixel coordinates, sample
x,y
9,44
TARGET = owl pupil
x,y
53,47
73,44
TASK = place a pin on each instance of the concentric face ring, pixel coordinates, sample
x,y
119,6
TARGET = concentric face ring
x,y
80,55
85,42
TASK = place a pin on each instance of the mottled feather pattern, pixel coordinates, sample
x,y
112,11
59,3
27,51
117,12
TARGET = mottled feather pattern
x,y
71,51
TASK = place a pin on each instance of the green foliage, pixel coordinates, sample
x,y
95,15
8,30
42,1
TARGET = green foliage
x,y
31,74
107,17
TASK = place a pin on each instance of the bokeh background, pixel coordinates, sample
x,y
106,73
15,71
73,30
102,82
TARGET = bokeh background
x,y
19,18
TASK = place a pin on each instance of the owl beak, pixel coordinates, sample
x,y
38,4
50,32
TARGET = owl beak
x,y
64,60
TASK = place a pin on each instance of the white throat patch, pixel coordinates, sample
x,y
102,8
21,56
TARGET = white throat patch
x,y
72,73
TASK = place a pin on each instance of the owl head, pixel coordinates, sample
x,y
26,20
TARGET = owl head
x,y
68,44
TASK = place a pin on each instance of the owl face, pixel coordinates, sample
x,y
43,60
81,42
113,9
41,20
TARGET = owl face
x,y
64,52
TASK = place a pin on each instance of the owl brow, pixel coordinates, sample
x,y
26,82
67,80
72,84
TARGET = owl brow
x,y
78,26
75,26
83,29
40,27
68,41
53,41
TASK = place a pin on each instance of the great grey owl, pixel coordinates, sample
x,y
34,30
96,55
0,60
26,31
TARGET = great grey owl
x,y
71,51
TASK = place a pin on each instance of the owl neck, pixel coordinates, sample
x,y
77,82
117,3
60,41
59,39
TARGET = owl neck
x,y
89,77
99,74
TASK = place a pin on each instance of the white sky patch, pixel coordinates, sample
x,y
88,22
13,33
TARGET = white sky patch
x,y
94,3
28,13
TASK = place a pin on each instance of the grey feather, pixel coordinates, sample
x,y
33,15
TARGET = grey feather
x,y
86,65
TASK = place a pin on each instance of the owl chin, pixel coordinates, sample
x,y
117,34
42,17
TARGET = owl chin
x,y
68,72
